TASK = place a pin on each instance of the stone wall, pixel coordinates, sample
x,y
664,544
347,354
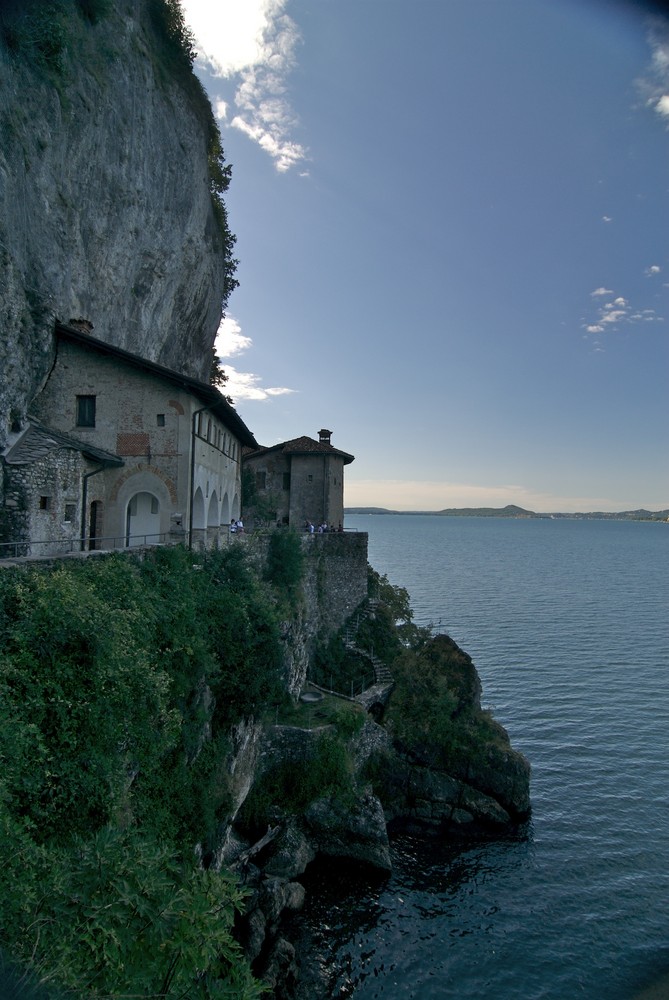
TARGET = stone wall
x,y
334,585
335,576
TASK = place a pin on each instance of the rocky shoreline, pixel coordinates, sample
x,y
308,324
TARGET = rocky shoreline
x,y
394,787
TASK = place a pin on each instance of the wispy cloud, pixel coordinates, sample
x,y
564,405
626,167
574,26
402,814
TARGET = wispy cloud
x,y
230,342
252,45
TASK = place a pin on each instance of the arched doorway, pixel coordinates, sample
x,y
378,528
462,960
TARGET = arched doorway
x,y
142,520
95,524
198,521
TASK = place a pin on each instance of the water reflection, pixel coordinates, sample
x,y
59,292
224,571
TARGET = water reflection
x,y
358,927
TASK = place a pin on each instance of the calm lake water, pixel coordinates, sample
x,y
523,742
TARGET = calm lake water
x,y
568,625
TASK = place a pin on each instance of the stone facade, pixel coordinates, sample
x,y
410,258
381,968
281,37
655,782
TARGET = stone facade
x,y
154,456
298,481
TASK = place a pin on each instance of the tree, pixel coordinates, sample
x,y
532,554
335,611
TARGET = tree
x,y
217,376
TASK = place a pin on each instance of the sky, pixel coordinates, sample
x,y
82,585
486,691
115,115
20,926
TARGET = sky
x,y
453,240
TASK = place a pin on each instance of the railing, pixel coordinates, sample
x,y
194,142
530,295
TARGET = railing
x,y
65,546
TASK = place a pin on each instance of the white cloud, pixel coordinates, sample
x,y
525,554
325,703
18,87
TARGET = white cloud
x,y
245,385
662,106
607,218
617,312
228,35
612,315
252,44
653,269
654,85
229,339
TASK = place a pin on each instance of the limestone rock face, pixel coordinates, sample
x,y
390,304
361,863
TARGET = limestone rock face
x,y
105,208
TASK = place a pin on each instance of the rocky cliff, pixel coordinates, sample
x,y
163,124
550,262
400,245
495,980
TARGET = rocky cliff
x,y
106,211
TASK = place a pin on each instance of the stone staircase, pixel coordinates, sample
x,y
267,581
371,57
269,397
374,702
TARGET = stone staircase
x,y
382,674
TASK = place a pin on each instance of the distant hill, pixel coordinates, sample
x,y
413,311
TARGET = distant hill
x,y
511,510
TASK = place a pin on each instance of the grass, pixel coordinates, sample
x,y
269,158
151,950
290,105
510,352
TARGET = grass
x,y
330,711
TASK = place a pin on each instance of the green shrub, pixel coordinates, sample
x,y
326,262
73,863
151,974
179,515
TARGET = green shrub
x,y
109,750
285,564
289,787
120,914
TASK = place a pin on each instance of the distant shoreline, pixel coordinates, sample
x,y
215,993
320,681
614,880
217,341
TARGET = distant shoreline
x,y
519,512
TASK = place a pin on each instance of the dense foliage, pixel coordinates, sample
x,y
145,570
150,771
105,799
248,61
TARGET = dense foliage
x,y
435,709
112,766
285,565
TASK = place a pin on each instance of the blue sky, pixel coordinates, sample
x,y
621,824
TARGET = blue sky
x,y
453,242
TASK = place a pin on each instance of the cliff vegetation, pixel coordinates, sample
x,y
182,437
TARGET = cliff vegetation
x,y
113,767
161,792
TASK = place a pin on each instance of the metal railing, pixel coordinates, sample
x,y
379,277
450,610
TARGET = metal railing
x,y
66,546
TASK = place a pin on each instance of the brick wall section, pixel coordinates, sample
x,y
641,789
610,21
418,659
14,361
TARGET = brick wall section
x,y
133,444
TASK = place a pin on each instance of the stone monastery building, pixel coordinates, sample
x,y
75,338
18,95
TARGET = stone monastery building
x,y
298,481
120,452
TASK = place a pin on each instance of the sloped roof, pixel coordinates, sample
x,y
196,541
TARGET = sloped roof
x,y
36,441
207,394
303,446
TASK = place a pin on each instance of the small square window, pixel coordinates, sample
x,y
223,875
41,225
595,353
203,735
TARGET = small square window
x,y
85,411
160,419
45,503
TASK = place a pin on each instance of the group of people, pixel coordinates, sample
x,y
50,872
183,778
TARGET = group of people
x,y
236,527
321,529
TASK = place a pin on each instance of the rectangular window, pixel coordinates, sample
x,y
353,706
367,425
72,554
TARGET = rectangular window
x,y
70,512
286,480
45,503
85,411
261,478
160,419
310,479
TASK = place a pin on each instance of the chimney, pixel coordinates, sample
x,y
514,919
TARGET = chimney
x,y
324,436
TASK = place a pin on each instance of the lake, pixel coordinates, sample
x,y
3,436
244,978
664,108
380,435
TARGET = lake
x,y
568,625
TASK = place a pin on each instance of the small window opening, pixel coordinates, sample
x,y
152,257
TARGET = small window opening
x,y
85,411
160,419
70,512
45,503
